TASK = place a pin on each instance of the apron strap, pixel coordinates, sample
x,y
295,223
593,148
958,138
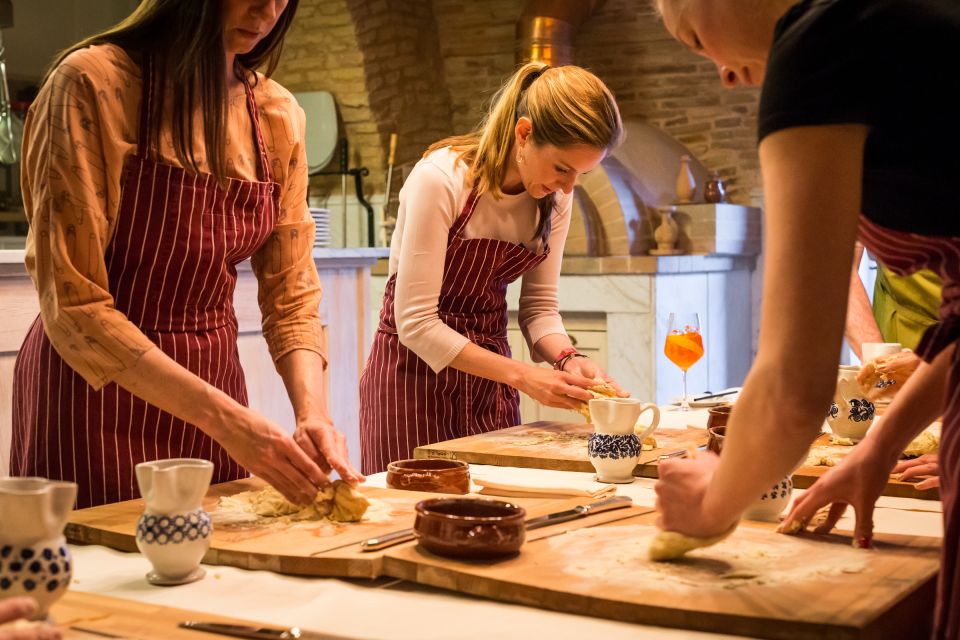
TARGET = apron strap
x,y
263,163
468,208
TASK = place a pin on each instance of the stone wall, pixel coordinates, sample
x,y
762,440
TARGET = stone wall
x,y
381,61
654,78
428,68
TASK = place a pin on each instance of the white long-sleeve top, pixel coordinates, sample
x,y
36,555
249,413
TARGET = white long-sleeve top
x,y
431,199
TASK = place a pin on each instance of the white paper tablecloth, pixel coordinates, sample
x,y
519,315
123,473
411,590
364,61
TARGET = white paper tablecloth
x,y
400,610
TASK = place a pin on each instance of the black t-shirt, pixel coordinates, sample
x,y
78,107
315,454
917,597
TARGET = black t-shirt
x,y
893,65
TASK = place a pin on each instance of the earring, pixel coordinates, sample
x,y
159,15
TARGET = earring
x,y
519,156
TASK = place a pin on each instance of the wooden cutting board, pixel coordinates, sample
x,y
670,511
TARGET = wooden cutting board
x,y
313,549
100,615
802,587
561,446
807,475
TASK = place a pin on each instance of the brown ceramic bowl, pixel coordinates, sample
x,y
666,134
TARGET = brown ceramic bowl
x,y
715,436
719,416
470,528
438,476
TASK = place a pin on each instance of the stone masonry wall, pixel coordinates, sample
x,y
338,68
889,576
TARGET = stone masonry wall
x,y
623,42
380,60
428,68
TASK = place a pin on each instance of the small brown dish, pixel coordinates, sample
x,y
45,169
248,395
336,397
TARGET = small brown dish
x,y
470,528
719,416
438,476
715,436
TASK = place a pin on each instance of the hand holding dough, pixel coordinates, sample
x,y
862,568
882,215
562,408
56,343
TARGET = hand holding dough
x,y
602,389
670,545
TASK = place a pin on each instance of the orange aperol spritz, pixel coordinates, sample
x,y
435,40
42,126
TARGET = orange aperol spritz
x,y
684,346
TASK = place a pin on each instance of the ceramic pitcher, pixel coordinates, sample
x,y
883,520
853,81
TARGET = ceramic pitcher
x,y
174,530
615,447
851,414
34,558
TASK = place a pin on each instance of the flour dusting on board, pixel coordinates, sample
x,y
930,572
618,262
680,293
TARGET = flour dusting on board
x,y
618,555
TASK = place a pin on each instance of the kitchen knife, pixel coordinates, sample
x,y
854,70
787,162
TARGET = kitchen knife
x,y
263,633
580,511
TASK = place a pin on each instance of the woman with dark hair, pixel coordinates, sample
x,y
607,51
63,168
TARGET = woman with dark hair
x,y
155,160
477,212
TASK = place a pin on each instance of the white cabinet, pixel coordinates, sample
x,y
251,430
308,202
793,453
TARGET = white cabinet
x,y
588,333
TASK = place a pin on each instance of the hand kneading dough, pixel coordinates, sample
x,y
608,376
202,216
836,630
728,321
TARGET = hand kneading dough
x,y
602,389
670,545
339,502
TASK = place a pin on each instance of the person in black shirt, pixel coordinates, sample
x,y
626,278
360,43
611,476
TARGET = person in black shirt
x,y
859,132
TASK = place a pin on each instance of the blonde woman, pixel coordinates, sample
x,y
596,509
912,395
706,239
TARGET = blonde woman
x,y
477,212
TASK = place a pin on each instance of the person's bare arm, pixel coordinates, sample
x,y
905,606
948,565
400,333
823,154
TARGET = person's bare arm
x,y
812,183
302,373
861,326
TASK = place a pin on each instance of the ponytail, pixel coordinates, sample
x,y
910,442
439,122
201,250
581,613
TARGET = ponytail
x,y
567,105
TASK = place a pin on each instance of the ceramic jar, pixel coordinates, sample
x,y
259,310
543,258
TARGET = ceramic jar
x,y
686,184
34,558
614,449
667,231
174,530
714,191
851,414
772,503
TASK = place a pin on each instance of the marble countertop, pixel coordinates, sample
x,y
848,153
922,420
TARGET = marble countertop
x,y
636,265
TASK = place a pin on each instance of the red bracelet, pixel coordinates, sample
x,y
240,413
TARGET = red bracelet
x,y
563,356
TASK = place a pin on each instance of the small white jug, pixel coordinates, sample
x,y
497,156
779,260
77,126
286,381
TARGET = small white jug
x,y
851,414
174,530
614,449
34,558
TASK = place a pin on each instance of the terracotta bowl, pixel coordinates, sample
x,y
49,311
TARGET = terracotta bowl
x,y
715,436
438,476
719,416
470,527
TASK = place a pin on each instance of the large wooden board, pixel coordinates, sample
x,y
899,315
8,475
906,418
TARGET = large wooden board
x,y
315,549
86,616
551,445
807,475
563,446
810,589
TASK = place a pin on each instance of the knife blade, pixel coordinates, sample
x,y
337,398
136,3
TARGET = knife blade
x,y
580,511
257,632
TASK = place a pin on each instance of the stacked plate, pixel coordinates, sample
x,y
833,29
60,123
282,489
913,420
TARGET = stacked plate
x,y
321,218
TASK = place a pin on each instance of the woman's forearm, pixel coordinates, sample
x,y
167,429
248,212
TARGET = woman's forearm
x,y
481,362
164,383
550,346
812,178
302,373
919,402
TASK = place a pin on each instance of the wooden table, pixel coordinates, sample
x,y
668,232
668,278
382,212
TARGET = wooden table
x,y
563,447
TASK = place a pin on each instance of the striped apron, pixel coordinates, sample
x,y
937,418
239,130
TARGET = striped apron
x,y
171,265
905,253
403,403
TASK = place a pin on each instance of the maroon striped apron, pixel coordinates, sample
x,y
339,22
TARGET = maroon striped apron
x,y
403,403
172,271
903,253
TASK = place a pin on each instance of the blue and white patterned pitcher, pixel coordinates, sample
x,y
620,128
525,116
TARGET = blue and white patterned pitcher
x,y
851,414
34,558
614,449
174,530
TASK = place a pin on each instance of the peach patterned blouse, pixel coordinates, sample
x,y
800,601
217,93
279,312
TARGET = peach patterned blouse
x,y
78,134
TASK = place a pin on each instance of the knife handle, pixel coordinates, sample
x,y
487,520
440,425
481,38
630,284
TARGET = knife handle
x,y
387,540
